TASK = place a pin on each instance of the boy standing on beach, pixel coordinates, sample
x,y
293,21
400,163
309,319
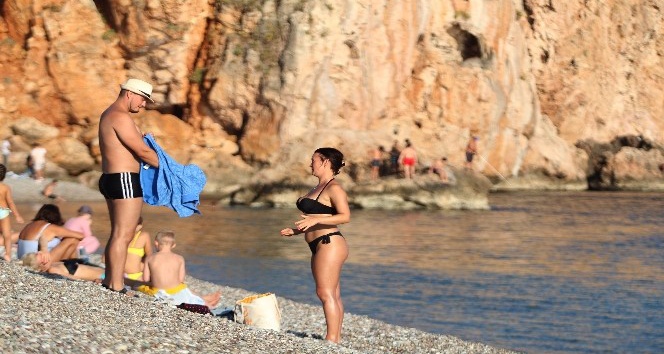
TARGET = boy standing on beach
x,y
165,271
7,206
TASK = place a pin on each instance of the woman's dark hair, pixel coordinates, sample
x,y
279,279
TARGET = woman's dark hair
x,y
49,213
3,171
335,157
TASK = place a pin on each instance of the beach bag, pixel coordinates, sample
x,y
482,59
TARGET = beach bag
x,y
260,311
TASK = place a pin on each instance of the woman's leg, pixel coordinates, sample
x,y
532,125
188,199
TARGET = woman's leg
x,y
326,267
86,272
66,249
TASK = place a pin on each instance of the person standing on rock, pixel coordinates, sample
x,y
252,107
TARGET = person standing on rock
x,y
408,158
38,157
329,249
394,158
471,151
6,151
122,148
376,162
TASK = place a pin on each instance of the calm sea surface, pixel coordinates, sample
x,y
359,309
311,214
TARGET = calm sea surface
x,y
540,272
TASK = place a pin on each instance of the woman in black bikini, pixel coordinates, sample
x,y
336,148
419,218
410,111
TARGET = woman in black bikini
x,y
319,225
69,268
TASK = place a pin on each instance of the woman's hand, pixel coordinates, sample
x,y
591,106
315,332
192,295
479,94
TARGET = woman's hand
x,y
288,232
44,261
306,222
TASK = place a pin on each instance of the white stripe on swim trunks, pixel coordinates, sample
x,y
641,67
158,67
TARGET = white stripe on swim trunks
x,y
127,187
122,185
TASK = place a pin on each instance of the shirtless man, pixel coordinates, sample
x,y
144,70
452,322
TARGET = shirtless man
x,y
408,159
122,149
471,151
376,162
439,167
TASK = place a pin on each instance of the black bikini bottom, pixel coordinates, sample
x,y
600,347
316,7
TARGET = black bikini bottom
x,y
72,264
325,239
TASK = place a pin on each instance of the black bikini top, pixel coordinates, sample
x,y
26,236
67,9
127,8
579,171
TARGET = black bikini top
x,y
313,206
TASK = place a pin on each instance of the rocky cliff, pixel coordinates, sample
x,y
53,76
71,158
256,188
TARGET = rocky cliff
x,y
562,94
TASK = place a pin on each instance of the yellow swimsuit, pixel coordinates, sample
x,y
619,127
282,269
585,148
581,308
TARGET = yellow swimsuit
x,y
153,291
138,252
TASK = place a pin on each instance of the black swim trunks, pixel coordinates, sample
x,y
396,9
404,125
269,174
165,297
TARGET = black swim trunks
x,y
123,185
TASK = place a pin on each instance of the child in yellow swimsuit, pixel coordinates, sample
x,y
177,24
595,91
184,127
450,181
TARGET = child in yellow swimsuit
x,y
139,248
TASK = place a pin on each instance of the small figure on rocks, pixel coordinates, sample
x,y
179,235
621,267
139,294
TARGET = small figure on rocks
x,y
471,151
38,160
408,158
439,167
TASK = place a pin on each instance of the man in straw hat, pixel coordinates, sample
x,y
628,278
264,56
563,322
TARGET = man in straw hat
x,y
122,148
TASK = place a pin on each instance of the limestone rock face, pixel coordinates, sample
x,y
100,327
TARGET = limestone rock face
x,y
70,154
256,86
31,131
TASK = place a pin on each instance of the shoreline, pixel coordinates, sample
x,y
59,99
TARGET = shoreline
x,y
45,313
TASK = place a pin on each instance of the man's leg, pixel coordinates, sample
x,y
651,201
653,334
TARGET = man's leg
x,y
124,218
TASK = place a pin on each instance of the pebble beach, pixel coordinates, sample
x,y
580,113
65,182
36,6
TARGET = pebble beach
x,y
43,313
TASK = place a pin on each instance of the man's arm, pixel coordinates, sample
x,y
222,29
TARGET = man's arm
x,y
128,134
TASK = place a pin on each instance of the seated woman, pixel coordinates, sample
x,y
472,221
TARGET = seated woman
x,y
139,248
45,233
69,268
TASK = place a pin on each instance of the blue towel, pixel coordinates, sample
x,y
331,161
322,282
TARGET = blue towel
x,y
172,184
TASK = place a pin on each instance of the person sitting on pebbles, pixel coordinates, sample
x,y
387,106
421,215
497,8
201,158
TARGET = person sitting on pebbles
x,y
46,233
69,268
139,249
165,271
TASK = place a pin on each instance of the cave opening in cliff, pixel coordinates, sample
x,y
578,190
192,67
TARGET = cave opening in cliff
x,y
468,44
106,11
176,110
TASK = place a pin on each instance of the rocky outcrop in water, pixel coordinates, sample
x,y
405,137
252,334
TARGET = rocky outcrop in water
x,y
249,88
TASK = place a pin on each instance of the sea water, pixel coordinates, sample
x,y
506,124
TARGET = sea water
x,y
555,272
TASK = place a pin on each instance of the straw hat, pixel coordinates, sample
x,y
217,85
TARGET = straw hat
x,y
138,87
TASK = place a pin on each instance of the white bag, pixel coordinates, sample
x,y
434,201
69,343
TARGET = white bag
x,y
260,311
